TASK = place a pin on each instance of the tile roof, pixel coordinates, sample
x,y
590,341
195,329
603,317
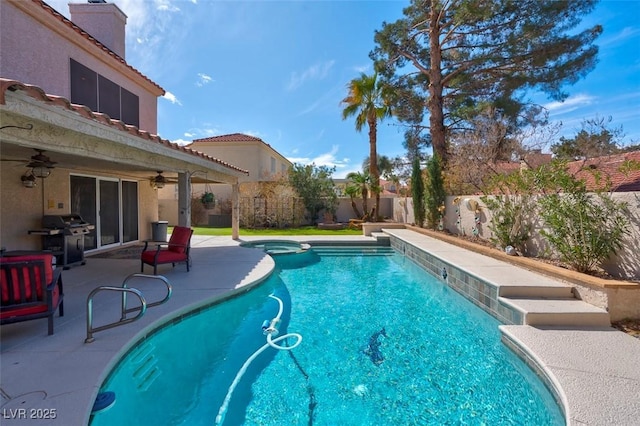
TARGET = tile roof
x,y
39,94
609,169
233,137
57,15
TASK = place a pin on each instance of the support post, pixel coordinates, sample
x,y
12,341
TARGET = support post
x,y
235,211
184,199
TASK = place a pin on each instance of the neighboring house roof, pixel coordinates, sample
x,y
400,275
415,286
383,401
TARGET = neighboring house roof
x,y
595,172
608,170
39,94
233,137
57,15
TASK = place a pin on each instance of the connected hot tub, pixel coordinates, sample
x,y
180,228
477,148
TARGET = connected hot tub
x,y
276,247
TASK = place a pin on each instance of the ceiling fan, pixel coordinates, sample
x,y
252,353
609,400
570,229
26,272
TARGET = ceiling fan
x,y
40,164
37,160
41,160
159,181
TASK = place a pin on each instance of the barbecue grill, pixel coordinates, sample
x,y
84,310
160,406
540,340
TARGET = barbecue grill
x,y
63,235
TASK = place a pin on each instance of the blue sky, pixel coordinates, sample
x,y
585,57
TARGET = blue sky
x,y
279,69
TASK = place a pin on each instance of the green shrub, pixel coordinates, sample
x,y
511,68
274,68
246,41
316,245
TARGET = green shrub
x,y
511,203
584,228
510,219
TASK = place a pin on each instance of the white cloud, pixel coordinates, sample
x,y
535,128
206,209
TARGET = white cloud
x,y
570,104
623,35
203,79
362,68
254,133
181,142
329,101
166,5
325,159
314,72
172,98
209,131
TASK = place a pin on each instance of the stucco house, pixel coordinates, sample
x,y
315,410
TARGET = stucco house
x,y
78,130
262,162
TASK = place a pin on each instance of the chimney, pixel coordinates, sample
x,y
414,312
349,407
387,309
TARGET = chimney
x,y
104,21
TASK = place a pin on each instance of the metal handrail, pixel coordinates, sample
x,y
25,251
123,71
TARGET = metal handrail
x,y
91,330
125,311
124,290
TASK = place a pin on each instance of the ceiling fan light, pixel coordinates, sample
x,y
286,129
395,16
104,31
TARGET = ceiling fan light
x,y
159,181
41,171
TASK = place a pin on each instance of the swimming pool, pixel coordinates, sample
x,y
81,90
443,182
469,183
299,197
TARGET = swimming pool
x,y
383,343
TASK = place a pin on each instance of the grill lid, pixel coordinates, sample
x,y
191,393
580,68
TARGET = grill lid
x,y
63,221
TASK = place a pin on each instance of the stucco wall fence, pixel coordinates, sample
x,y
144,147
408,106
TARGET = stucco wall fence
x,y
459,219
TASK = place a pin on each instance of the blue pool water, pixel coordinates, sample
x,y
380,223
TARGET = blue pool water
x,y
441,361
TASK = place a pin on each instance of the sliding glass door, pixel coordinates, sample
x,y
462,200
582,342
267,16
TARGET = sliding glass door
x,y
83,202
109,212
129,211
109,204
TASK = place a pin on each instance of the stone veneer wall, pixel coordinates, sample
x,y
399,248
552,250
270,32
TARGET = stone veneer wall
x,y
478,291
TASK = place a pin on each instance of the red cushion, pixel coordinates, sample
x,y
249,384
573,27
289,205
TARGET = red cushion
x,y
165,256
30,310
179,239
48,272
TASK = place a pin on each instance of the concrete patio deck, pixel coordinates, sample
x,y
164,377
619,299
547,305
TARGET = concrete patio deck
x,y
595,368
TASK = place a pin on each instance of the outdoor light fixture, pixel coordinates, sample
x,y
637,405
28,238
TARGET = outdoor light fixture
x,y
159,181
28,180
40,164
41,171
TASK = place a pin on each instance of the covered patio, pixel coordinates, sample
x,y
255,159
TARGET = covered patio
x,y
125,165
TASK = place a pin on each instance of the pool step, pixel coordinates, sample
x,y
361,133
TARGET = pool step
x,y
146,366
554,290
350,251
382,238
544,311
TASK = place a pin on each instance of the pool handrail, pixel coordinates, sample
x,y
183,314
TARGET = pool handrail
x,y
142,308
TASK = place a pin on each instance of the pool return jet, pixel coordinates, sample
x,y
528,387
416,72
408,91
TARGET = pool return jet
x,y
269,329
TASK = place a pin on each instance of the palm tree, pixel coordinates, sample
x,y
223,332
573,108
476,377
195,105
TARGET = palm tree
x,y
369,101
385,166
359,184
386,169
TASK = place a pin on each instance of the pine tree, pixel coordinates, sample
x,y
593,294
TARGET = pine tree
x,y
451,59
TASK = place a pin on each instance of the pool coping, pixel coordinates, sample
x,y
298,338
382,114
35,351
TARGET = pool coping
x,y
63,373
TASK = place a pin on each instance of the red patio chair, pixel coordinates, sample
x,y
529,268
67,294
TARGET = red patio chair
x,y
30,288
175,251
